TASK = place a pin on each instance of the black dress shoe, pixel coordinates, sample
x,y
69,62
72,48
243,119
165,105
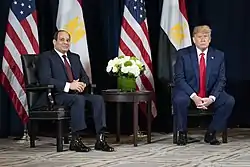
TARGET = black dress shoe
x,y
102,145
210,137
78,146
182,139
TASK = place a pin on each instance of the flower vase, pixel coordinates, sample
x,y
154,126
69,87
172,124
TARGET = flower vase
x,y
126,84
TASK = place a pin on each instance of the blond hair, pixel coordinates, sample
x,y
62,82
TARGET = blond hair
x,y
202,29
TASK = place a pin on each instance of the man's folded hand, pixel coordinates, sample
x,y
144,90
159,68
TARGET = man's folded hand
x,y
199,102
78,86
207,101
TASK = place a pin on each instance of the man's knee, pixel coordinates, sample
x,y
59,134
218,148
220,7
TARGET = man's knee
x,y
98,98
79,99
230,101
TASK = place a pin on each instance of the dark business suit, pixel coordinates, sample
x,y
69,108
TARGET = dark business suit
x,y
51,70
186,81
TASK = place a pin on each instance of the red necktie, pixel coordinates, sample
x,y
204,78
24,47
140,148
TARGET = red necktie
x,y
68,69
202,91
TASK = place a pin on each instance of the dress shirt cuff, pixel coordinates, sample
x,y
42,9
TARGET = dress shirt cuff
x,y
192,95
66,87
212,97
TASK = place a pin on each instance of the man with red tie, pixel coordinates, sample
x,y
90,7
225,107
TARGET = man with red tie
x,y
200,79
64,70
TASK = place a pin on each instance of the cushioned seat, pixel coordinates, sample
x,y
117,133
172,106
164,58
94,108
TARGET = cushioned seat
x,y
55,114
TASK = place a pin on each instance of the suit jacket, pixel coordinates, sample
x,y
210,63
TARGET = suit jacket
x,y
186,77
51,70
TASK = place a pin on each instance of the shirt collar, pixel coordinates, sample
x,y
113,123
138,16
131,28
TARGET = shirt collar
x,y
199,51
60,54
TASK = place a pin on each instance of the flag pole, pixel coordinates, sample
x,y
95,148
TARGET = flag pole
x,y
25,138
25,133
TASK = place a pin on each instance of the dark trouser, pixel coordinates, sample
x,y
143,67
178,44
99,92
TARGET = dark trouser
x,y
222,108
76,102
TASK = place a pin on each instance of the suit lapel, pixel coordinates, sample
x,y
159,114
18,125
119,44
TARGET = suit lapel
x,y
195,64
209,64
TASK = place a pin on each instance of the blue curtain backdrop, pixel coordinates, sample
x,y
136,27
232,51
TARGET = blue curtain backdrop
x,y
228,19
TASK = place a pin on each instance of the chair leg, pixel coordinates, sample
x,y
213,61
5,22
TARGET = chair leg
x,y
59,138
66,132
224,136
66,139
32,133
174,129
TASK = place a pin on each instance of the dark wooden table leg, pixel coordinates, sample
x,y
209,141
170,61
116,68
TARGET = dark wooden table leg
x,y
149,105
135,126
59,139
224,136
118,119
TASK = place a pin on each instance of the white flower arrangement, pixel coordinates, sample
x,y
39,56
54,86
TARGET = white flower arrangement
x,y
127,66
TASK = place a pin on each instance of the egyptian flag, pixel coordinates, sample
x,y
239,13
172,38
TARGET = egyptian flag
x,y
70,18
174,35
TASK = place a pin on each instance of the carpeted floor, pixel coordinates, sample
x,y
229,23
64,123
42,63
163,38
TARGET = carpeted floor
x,y
160,153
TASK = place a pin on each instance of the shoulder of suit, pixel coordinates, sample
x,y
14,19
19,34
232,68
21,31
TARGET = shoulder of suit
x,y
46,54
185,51
73,54
217,52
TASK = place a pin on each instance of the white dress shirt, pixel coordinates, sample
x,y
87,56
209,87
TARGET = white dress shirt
x,y
205,57
199,55
67,84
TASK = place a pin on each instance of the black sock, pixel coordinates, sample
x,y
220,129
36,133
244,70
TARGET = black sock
x,y
78,134
75,135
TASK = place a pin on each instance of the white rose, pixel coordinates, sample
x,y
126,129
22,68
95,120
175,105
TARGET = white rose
x,y
133,62
135,70
123,60
124,70
115,69
109,68
116,61
110,63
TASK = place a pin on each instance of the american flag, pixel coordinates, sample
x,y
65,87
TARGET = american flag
x,y
134,40
21,38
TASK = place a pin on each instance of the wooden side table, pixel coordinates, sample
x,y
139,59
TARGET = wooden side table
x,y
116,96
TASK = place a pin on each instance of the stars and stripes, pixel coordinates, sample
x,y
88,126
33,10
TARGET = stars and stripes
x,y
21,38
134,40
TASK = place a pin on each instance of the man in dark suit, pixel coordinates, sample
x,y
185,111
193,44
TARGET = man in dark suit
x,y
63,69
200,78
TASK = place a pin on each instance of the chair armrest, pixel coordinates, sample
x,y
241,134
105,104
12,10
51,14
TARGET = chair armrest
x,y
171,85
43,88
35,88
92,87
